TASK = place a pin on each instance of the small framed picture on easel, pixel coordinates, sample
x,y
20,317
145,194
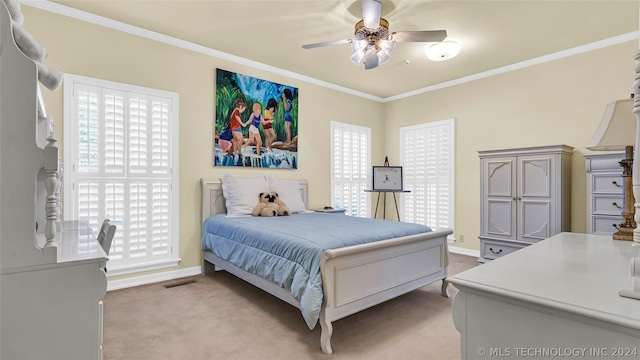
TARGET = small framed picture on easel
x,y
387,178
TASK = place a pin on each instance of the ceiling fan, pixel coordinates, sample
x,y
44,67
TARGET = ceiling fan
x,y
373,42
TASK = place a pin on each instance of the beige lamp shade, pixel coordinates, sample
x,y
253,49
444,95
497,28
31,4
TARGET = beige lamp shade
x,y
617,128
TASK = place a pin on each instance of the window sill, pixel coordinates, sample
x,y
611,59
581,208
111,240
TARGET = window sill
x,y
138,268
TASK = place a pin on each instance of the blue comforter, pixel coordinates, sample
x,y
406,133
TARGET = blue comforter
x,y
286,250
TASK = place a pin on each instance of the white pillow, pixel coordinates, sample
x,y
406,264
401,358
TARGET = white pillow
x,y
289,192
242,194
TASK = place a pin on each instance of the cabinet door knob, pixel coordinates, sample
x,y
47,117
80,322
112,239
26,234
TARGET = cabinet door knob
x,y
616,183
616,205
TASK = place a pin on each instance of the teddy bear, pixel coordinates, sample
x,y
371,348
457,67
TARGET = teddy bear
x,y
50,78
270,205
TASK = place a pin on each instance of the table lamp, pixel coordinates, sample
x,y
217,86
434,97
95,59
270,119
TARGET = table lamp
x,y
617,131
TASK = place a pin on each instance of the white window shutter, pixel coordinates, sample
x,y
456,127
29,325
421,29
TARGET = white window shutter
x,y
138,135
114,133
114,209
88,202
120,165
160,129
138,216
88,109
427,154
350,168
160,219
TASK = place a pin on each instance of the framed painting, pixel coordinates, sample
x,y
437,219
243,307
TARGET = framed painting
x,y
387,178
256,122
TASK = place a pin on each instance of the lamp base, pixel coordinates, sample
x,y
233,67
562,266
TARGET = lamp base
x,y
625,229
623,233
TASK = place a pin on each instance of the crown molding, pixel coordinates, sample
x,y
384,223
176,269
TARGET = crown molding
x,y
632,36
134,30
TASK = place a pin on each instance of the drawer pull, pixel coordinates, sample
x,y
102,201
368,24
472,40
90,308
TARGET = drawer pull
x,y
495,252
616,205
616,183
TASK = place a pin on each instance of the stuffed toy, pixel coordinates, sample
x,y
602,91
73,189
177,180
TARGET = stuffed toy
x,y
50,78
270,205
283,209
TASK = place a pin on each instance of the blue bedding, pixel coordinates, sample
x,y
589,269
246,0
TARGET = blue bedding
x,y
286,250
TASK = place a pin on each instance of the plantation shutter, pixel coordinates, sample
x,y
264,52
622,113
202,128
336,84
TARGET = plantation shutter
x,y
122,170
427,160
350,168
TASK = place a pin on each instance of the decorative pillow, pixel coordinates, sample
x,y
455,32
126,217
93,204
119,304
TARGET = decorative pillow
x,y
242,194
289,192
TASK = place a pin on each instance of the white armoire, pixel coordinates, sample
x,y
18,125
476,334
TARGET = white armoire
x,y
525,197
51,272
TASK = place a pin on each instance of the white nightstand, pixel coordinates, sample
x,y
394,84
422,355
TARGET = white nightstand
x,y
332,211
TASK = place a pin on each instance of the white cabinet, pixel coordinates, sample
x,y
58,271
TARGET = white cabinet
x,y
51,278
525,197
605,199
558,295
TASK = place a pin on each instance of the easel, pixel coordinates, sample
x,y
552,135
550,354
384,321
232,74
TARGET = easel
x,y
384,199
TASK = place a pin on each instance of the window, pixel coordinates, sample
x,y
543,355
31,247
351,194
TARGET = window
x,y
120,163
350,168
427,154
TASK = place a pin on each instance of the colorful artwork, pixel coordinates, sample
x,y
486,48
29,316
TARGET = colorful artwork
x,y
256,122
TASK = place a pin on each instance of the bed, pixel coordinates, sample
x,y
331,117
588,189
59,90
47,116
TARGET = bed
x,y
351,277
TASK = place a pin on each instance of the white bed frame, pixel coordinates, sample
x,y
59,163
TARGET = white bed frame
x,y
354,278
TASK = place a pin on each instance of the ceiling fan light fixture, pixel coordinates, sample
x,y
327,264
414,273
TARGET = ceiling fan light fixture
x,y
373,43
357,57
443,50
380,31
359,45
387,46
383,56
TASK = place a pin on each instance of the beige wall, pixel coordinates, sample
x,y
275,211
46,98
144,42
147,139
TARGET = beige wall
x,y
560,102
79,48
554,103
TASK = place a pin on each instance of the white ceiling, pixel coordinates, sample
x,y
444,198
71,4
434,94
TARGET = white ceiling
x,y
494,34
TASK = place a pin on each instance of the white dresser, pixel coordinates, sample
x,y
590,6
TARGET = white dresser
x,y
554,299
51,275
525,197
605,199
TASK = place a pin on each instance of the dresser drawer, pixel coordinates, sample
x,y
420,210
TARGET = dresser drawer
x,y
607,184
490,249
607,204
603,225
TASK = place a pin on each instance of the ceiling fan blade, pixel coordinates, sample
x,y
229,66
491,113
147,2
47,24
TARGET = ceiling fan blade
x,y
419,36
327,43
370,60
371,13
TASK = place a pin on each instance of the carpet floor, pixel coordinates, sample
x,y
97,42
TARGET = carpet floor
x,y
223,317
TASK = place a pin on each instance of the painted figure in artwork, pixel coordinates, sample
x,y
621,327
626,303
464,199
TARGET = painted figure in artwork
x,y
225,140
235,121
255,119
287,97
267,124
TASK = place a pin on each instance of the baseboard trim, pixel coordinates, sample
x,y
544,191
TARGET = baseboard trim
x,y
152,278
464,251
